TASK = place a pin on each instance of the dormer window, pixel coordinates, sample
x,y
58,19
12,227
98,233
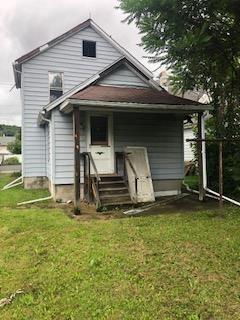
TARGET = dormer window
x,y
89,49
55,85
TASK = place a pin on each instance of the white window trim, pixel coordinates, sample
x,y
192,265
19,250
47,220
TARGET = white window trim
x,y
57,89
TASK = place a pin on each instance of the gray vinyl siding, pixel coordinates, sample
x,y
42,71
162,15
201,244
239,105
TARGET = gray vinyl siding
x,y
65,57
63,147
123,77
161,134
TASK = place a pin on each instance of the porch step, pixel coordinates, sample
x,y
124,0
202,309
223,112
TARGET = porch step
x,y
108,178
111,184
116,199
110,191
113,190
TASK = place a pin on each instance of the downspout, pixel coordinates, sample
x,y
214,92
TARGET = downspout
x,y
51,189
50,147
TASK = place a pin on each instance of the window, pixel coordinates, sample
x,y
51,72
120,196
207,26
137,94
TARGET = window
x,y
55,85
99,130
89,49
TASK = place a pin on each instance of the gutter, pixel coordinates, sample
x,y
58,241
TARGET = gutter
x,y
44,119
132,105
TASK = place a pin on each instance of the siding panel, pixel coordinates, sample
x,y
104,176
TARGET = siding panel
x,y
65,57
123,77
162,135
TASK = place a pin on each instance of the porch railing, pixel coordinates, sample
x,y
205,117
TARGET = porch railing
x,y
91,182
125,158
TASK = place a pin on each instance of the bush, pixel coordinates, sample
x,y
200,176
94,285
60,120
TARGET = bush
x,y
11,161
231,167
15,147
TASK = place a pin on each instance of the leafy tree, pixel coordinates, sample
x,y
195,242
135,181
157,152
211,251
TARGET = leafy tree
x,y
200,41
15,147
8,130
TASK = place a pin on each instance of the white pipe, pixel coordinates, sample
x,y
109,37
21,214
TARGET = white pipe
x,y
224,197
11,184
197,192
51,153
35,200
204,162
205,168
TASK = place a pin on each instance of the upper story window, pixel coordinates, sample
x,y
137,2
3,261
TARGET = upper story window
x,y
89,48
55,85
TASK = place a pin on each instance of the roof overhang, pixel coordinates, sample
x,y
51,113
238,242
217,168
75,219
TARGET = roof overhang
x,y
88,23
68,105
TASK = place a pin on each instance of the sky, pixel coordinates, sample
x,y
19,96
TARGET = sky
x,y
26,24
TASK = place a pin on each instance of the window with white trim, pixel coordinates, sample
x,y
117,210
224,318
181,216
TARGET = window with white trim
x,y
55,85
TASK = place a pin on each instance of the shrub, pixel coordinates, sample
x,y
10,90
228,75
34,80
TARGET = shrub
x,y
231,167
15,147
11,161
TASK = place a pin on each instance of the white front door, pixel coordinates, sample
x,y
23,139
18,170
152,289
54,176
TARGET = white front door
x,y
100,142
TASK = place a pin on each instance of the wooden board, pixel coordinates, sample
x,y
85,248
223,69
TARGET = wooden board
x,y
139,159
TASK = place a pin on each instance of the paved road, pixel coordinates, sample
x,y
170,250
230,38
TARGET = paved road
x,y
12,168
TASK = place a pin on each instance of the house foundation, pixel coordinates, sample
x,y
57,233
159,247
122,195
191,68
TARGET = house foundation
x,y
167,187
36,183
65,192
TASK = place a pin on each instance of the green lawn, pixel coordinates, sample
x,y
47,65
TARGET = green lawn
x,y
192,182
180,265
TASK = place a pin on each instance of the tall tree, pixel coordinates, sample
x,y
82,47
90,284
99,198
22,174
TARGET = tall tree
x,y
200,41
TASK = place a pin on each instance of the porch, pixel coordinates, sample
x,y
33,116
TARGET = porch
x,y
104,121
102,169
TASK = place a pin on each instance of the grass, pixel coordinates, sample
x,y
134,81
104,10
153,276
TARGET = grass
x,y
192,182
183,265
11,197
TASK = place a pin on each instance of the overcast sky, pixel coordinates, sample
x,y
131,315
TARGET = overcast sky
x,y
26,24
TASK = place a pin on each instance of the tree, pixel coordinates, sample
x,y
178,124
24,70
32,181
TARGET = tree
x,y
15,147
8,130
200,41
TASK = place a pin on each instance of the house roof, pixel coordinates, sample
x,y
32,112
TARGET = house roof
x,y
5,140
91,93
131,95
95,78
130,99
88,23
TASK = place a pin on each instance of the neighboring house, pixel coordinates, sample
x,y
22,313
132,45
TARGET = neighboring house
x,y
188,146
199,96
4,141
82,93
4,152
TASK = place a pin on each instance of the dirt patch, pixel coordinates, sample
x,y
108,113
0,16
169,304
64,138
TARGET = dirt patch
x,y
165,205
88,212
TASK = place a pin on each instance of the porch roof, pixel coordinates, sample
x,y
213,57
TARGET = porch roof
x,y
130,99
131,95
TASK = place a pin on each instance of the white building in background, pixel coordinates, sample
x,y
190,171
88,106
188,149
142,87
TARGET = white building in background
x,y
199,96
4,141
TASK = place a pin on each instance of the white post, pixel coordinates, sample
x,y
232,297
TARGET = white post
x,y
204,153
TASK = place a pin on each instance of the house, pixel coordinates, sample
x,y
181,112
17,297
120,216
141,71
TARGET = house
x,y
84,100
196,95
4,141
